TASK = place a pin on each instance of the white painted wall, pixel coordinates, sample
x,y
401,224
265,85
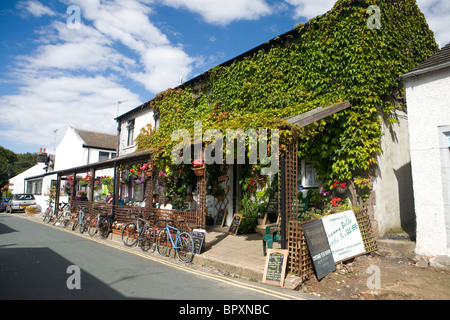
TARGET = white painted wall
x,y
394,206
428,102
17,183
142,118
70,152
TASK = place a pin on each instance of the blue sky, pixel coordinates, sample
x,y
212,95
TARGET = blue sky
x,y
53,75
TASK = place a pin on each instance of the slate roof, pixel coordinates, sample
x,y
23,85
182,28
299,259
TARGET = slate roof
x,y
440,58
97,139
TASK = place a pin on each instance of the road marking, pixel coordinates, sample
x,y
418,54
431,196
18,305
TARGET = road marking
x,y
203,274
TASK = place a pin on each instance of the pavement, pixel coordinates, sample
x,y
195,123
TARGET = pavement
x,y
238,256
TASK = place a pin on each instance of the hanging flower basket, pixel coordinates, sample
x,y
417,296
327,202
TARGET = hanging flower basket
x,y
198,167
199,171
252,188
261,180
340,187
147,169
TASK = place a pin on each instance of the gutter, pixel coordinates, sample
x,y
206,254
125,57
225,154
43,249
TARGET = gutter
x,y
425,70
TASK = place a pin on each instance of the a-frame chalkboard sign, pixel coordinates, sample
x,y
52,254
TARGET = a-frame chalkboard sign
x,y
234,225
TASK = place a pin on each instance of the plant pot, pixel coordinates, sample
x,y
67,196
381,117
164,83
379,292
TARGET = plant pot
x,y
199,171
118,232
148,173
30,211
126,234
341,190
261,181
252,188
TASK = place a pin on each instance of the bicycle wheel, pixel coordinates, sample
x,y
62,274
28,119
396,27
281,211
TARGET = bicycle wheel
x,y
147,239
129,234
58,217
104,230
66,220
46,214
185,246
162,241
92,226
83,224
75,223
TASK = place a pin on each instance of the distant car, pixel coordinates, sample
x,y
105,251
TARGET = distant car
x,y
3,204
20,201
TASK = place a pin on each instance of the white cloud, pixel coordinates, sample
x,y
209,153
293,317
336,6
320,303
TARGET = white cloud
x,y
310,8
223,12
163,65
45,104
36,8
74,76
437,12
128,23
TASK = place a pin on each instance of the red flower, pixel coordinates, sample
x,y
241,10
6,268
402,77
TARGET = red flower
x,y
335,201
335,184
343,185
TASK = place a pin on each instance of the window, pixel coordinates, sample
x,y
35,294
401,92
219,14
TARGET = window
x,y
34,186
307,176
102,156
130,138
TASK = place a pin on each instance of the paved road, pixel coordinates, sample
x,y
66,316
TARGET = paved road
x,y
34,262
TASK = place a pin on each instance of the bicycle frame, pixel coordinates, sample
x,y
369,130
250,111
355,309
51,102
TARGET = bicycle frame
x,y
168,227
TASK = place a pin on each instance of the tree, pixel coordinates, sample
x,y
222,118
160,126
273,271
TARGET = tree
x,y
12,164
7,159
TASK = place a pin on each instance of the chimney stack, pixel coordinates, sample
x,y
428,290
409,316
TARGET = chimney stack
x,y
41,156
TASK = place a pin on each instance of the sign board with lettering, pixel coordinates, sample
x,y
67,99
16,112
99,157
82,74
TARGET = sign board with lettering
x,y
198,236
343,235
220,217
272,205
234,225
275,267
319,248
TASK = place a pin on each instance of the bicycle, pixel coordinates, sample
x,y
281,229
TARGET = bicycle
x,y
133,232
101,224
183,244
48,212
80,219
65,214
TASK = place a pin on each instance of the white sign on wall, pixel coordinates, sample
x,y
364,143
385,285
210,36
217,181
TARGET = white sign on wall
x,y
343,235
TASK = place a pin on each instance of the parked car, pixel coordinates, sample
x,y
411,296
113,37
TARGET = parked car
x,y
3,204
20,201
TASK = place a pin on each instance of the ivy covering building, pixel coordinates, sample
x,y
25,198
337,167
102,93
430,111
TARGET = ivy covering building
x,y
355,52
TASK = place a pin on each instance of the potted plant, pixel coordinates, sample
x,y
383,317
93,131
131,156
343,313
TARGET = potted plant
x,y
340,187
218,192
31,210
